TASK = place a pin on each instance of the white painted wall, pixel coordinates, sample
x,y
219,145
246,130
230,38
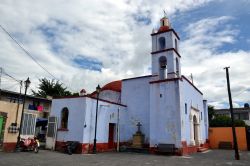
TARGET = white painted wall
x,y
135,94
107,113
169,39
110,96
189,95
164,114
81,120
76,107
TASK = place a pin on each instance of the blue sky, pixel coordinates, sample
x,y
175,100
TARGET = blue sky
x,y
85,45
238,10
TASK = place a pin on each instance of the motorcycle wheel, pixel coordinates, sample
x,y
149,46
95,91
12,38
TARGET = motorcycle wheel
x,y
69,150
36,149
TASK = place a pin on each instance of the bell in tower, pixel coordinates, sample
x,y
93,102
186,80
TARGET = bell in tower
x,y
165,56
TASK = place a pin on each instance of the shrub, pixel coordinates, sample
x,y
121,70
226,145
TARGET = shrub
x,y
225,121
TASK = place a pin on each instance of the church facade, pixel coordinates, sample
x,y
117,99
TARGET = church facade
x,y
170,109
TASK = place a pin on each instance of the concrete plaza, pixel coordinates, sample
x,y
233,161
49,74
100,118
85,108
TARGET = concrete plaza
x,y
50,158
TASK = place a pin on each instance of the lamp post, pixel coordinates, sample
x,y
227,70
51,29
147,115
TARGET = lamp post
x,y
26,84
98,89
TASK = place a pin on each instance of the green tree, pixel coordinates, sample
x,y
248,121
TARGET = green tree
x,y
211,113
50,88
225,121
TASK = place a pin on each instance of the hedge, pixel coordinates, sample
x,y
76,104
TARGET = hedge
x,y
225,121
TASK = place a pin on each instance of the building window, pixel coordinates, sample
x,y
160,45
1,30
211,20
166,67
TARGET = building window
x,y
28,124
162,67
64,118
177,66
241,116
185,108
201,115
162,43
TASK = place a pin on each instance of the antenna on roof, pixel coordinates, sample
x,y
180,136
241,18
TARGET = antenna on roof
x,y
192,79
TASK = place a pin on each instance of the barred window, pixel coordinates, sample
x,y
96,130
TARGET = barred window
x,y
28,124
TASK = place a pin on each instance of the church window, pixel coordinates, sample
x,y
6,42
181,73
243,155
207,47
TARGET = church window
x,y
177,66
162,67
185,108
64,118
176,47
162,43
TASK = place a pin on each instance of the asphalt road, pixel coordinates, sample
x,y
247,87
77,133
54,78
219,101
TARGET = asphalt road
x,y
50,158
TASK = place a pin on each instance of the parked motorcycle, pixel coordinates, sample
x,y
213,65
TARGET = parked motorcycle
x,y
29,144
71,146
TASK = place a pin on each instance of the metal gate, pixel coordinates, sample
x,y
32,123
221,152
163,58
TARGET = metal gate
x,y
51,133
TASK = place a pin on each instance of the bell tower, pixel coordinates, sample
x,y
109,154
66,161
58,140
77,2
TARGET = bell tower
x,y
165,51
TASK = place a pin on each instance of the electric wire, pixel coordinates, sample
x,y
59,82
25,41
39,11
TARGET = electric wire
x,y
27,53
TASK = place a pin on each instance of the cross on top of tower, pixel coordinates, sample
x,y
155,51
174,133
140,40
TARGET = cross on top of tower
x,y
165,24
165,13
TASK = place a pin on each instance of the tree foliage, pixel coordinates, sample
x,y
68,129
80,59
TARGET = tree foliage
x,y
50,88
225,121
211,113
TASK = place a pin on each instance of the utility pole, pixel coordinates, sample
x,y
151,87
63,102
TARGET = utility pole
x,y
237,156
18,102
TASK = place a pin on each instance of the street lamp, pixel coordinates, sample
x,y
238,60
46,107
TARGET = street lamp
x,y
98,89
26,84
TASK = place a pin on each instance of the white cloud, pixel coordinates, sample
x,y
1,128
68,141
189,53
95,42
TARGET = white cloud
x,y
202,58
107,31
104,30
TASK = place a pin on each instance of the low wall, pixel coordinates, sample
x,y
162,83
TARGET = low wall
x,y
224,134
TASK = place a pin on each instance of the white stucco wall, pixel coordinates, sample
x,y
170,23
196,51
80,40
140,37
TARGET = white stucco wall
x,y
193,99
76,107
135,94
169,41
164,114
107,113
81,119
110,95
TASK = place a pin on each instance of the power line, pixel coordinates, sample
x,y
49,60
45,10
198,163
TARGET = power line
x,y
4,72
12,86
27,53
247,89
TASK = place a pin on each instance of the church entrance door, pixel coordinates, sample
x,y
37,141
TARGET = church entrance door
x,y
196,130
111,136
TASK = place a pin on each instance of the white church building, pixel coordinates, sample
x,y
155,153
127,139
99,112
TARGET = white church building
x,y
169,107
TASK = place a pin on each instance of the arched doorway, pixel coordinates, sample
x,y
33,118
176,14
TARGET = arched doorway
x,y
196,130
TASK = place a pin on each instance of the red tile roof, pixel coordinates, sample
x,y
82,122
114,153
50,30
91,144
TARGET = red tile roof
x,y
163,29
114,86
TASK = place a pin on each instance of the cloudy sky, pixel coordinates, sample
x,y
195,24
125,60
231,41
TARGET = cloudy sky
x,y
86,42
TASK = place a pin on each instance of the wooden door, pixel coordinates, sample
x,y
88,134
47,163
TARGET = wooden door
x,y
111,136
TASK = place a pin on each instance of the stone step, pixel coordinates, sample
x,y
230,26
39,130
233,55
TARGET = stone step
x,y
201,149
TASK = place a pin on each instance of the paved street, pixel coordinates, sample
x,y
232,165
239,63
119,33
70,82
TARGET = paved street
x,y
49,158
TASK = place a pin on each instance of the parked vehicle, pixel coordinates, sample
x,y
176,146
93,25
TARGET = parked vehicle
x,y
29,144
71,147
